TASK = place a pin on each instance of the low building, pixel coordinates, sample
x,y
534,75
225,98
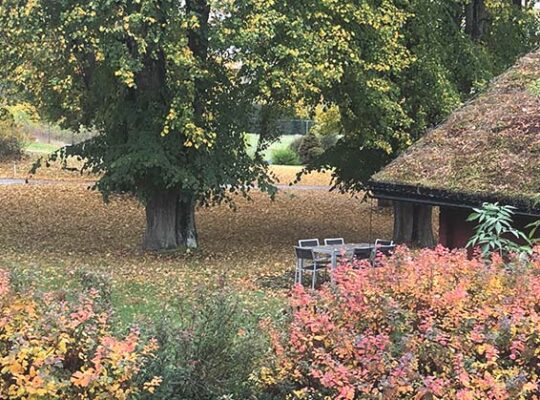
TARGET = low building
x,y
487,151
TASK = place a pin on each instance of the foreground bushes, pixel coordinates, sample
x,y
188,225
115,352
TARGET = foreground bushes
x,y
51,348
432,326
208,350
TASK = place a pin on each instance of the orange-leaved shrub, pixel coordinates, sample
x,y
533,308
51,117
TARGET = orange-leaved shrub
x,y
51,348
424,325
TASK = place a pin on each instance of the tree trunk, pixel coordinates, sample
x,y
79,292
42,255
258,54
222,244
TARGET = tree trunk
x,y
423,227
170,221
476,19
186,231
403,222
413,224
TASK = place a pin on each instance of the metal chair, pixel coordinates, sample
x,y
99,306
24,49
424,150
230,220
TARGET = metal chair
x,y
363,253
381,242
302,255
308,243
385,250
334,241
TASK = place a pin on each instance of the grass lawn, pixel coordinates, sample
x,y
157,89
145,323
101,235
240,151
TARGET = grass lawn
x,y
251,140
50,234
41,148
282,142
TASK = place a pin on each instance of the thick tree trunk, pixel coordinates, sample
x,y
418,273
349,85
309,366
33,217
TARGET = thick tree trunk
x,y
170,221
413,224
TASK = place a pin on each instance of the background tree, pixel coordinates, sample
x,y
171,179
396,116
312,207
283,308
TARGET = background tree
x,y
166,82
449,50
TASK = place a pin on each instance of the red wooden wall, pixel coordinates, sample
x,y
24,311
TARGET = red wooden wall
x,y
455,231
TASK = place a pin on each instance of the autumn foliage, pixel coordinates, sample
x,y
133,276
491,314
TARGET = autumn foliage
x,y
430,325
57,349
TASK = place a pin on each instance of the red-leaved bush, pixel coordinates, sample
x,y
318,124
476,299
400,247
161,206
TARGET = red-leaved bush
x,y
424,325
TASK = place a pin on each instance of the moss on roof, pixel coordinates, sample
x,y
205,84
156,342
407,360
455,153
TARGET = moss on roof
x,y
489,147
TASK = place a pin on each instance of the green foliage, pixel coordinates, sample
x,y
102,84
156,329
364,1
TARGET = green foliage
x,y
160,83
310,148
207,351
441,66
494,232
327,125
295,144
12,139
534,88
285,156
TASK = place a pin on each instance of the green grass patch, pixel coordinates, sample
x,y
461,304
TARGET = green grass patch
x,y
282,142
41,148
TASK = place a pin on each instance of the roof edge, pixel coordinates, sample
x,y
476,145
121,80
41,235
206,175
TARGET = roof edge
x,y
442,197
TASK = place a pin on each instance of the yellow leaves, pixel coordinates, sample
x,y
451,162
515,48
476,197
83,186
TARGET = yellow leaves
x,y
126,76
29,7
153,384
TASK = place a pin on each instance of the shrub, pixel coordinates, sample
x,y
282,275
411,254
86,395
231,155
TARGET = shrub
x,y
494,231
295,145
285,156
432,325
207,351
329,140
51,348
11,139
310,148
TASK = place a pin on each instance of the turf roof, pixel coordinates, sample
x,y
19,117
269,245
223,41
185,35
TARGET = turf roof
x,y
489,148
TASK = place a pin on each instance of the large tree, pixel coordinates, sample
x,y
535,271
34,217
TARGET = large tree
x,y
452,48
169,84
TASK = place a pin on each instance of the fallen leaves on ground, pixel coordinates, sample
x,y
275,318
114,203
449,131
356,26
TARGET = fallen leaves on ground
x,y
287,174
54,232
20,169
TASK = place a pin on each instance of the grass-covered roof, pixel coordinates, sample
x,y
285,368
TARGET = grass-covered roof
x,y
490,148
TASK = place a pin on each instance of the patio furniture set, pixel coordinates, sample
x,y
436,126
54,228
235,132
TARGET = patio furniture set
x,y
312,257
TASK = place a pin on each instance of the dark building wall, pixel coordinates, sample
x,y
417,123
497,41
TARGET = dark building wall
x,y
455,231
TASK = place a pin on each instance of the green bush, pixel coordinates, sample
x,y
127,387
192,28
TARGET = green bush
x,y
11,140
208,351
285,156
295,145
310,148
328,140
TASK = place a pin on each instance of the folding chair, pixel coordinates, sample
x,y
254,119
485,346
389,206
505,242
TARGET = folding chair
x,y
313,265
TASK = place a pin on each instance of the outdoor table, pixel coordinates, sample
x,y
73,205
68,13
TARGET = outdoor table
x,y
334,250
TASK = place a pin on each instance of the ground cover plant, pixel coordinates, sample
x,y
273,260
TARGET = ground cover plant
x,y
427,325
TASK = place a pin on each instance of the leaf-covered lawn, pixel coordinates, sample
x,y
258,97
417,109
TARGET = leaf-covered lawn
x,y
50,234
20,169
